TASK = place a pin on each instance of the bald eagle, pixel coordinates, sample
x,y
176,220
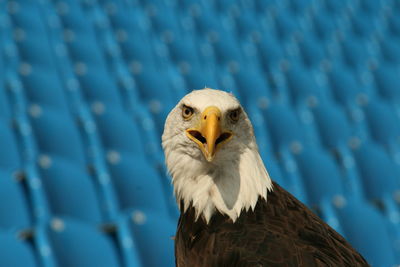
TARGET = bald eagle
x,y
232,213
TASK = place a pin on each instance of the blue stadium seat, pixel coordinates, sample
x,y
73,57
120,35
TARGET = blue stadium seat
x,y
363,24
324,26
304,89
390,50
383,123
387,82
119,132
227,50
337,135
199,77
253,87
351,94
364,227
286,25
247,25
272,54
9,156
155,235
137,184
379,173
56,134
313,54
320,175
334,128
14,211
99,88
287,137
15,253
357,54
4,106
284,127
157,94
43,87
82,47
76,244
164,21
69,189
184,52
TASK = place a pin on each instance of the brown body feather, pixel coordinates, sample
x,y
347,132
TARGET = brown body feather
x,y
279,232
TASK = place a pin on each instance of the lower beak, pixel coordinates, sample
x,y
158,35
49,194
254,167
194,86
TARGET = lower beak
x,y
209,136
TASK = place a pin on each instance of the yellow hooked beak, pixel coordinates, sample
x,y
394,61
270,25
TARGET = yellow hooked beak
x,y
209,135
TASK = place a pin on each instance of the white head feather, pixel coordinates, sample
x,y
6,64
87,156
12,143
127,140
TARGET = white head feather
x,y
236,177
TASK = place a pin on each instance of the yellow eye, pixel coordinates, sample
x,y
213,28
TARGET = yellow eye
x,y
187,112
234,115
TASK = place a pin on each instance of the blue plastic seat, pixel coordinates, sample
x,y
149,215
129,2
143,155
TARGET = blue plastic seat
x,y
253,87
321,176
363,24
84,48
70,190
286,25
379,173
271,52
323,183
333,125
72,15
99,87
248,25
14,211
137,184
43,87
15,253
287,138
383,122
199,78
356,53
4,105
154,89
34,48
337,135
184,51
9,155
387,82
119,132
77,244
304,88
312,51
164,21
351,94
324,25
364,227
57,134
390,50
284,127
154,233
227,49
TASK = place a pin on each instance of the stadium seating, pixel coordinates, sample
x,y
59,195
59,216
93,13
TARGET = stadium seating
x,y
16,252
86,85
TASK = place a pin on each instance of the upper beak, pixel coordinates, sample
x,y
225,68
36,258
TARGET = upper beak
x,y
209,136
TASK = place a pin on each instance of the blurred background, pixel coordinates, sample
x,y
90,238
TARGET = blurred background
x,y
85,86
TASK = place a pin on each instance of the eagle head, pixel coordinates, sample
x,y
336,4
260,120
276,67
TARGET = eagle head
x,y
212,155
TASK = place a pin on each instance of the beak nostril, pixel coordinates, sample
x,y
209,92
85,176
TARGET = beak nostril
x,y
223,137
205,117
198,136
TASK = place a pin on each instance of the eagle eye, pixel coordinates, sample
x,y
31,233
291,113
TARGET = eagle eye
x,y
234,115
187,112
